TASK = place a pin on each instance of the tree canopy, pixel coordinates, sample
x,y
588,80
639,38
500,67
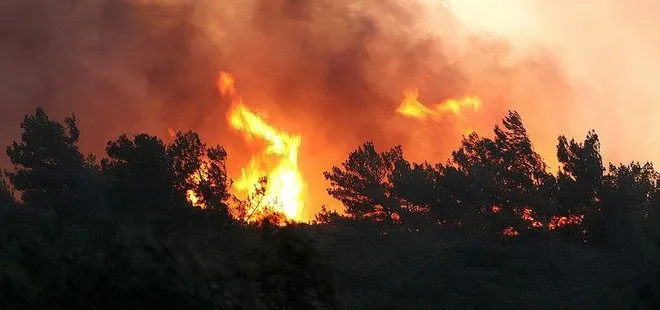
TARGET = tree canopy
x,y
152,225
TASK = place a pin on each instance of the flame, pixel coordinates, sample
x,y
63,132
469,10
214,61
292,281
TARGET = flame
x,y
527,216
226,84
278,161
510,232
554,222
196,178
413,108
561,221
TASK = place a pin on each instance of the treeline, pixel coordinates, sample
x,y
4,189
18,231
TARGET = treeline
x,y
499,190
492,227
119,233
500,187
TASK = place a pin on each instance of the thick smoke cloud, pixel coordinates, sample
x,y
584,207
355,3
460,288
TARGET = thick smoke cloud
x,y
120,66
330,70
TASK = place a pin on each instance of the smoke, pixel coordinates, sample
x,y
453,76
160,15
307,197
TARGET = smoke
x,y
608,51
330,70
120,66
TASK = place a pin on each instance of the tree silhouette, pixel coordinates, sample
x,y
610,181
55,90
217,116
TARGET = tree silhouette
x,y
140,175
329,217
581,169
417,186
580,177
201,169
628,191
364,183
523,175
503,174
49,170
186,153
7,201
214,188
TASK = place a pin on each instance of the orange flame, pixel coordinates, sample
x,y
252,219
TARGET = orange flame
x,y
413,108
527,216
278,161
510,232
561,221
196,178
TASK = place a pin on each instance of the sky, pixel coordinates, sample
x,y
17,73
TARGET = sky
x,y
608,50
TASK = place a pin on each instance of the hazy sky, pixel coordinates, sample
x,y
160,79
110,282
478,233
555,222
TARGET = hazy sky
x,y
608,49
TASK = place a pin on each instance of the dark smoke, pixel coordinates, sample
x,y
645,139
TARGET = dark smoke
x,y
120,66
332,70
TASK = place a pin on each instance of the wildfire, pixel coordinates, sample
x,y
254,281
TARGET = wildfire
x,y
412,107
196,178
554,222
510,232
278,161
527,216
560,221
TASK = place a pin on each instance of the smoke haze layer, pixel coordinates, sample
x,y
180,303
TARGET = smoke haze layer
x,y
608,51
332,71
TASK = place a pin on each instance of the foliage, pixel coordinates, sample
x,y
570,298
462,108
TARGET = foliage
x,y
363,183
191,157
490,228
49,169
138,173
6,196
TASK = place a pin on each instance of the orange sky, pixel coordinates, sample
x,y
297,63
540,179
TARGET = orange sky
x,y
609,51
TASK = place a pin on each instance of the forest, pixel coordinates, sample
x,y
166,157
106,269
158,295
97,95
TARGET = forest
x,y
492,228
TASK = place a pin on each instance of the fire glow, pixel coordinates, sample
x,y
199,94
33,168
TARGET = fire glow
x,y
278,161
413,108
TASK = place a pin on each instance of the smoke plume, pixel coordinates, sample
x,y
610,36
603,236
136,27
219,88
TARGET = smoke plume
x,y
330,70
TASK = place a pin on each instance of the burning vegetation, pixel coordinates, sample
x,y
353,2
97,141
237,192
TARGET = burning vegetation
x,y
272,183
278,162
325,183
